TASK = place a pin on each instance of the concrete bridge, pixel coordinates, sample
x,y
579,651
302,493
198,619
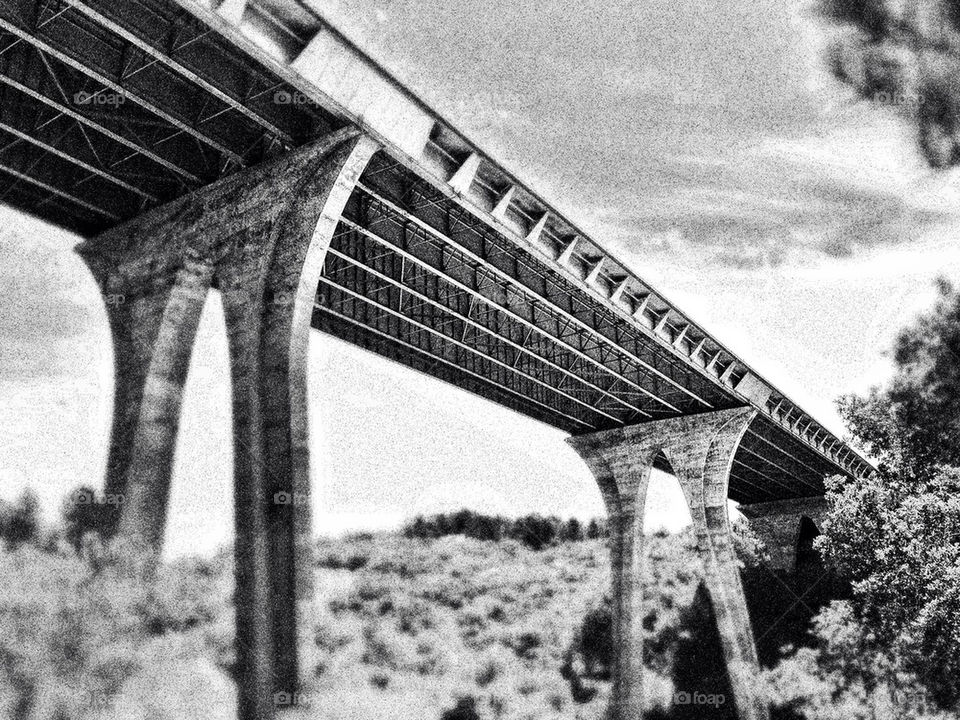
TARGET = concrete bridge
x,y
247,146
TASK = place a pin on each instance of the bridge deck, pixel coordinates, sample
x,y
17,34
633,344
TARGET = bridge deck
x,y
443,260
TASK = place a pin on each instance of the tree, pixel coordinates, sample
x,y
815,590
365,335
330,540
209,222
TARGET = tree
x,y
572,530
595,529
83,513
896,534
20,522
845,675
907,55
536,531
913,425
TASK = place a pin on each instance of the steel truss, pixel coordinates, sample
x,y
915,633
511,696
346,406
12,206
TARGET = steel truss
x,y
129,104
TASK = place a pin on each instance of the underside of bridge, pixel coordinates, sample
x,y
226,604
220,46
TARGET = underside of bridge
x,y
247,146
413,276
111,109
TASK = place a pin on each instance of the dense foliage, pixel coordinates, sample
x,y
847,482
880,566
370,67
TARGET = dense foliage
x,y
905,55
535,531
896,537
19,521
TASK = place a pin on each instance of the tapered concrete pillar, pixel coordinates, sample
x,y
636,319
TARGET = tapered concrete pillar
x,y
268,324
153,322
700,450
261,237
780,526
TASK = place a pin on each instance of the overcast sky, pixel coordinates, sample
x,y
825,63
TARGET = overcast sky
x,y
702,142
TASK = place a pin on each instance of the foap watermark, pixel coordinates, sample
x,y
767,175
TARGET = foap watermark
x,y
897,99
686,98
90,699
99,98
912,699
284,298
86,497
699,698
290,498
115,299
288,699
285,97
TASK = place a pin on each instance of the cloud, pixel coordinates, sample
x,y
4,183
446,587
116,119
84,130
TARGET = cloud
x,y
644,120
50,301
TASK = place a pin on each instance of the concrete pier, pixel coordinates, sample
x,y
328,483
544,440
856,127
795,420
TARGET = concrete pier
x,y
786,527
260,236
700,450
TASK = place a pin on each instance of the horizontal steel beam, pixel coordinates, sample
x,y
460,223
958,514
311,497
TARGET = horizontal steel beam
x,y
513,315
464,346
367,328
36,142
45,47
181,70
92,124
426,227
57,191
482,328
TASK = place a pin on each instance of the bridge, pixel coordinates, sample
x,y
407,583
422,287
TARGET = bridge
x,y
249,147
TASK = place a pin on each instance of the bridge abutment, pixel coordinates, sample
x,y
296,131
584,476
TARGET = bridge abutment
x,y
782,527
260,236
700,450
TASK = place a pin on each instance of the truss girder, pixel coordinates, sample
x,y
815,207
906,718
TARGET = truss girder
x,y
432,341
142,99
470,323
461,294
370,338
538,303
539,383
435,213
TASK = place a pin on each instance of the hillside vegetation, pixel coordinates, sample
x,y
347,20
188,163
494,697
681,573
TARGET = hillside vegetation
x,y
448,627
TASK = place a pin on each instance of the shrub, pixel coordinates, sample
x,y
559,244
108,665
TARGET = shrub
x,y
69,629
534,531
465,709
19,522
594,641
847,675
86,513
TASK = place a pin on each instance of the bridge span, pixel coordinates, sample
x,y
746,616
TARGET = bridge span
x,y
248,146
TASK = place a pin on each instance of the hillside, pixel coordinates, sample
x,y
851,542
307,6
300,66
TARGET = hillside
x,y
448,629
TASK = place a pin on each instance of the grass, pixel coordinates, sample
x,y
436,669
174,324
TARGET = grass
x,y
421,626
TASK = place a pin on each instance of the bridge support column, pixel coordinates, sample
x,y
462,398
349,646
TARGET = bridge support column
x,y
261,237
786,527
700,449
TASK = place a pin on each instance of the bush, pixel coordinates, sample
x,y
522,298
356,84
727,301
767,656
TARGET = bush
x,y
847,675
594,641
19,522
534,531
69,629
85,512
465,709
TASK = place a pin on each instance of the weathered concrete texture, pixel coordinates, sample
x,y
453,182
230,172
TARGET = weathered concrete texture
x,y
778,524
261,236
700,450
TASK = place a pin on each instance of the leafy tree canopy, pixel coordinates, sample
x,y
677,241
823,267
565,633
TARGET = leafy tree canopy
x,y
896,534
905,55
